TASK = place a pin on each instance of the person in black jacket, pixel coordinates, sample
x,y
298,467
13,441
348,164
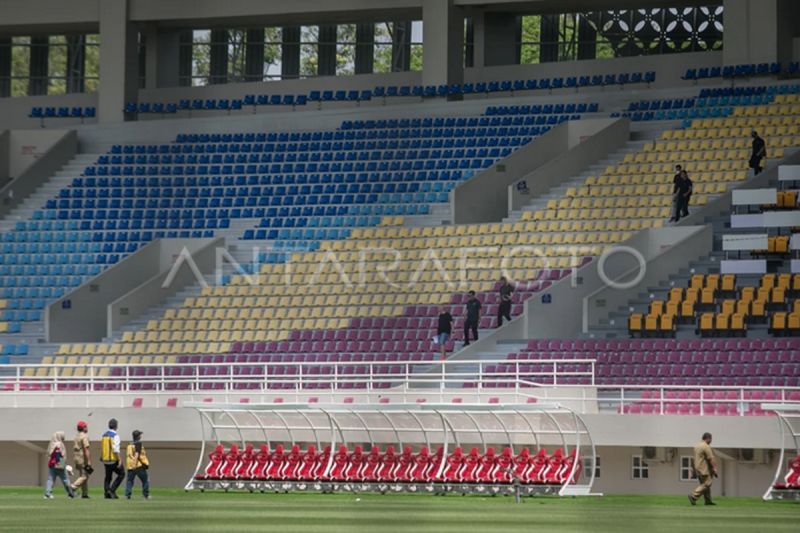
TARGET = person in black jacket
x,y
676,212
504,309
759,153
473,306
444,330
685,187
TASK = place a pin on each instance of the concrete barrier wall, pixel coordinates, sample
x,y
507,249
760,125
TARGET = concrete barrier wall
x,y
665,251
15,110
586,296
82,314
483,198
152,292
589,140
486,196
32,157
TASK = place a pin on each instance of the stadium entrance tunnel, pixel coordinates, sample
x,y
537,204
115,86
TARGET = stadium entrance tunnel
x,y
515,449
786,483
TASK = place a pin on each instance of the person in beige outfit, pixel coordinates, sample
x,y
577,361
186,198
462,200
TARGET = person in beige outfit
x,y
705,468
83,461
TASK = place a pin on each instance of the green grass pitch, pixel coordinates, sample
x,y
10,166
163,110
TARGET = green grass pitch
x,y
23,509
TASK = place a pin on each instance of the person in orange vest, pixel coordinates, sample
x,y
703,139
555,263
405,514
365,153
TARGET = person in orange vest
x,y
137,464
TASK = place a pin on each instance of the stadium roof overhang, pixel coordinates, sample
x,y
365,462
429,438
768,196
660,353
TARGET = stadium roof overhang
x,y
25,17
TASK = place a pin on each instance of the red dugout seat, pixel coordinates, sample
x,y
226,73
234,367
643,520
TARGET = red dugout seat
x,y
354,464
488,467
433,468
388,465
405,465
214,464
454,466
321,465
340,462
258,469
273,471
245,462
421,468
504,465
552,473
792,479
372,465
471,467
308,464
229,463
291,464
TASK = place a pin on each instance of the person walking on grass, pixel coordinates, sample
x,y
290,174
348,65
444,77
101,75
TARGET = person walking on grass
x,y
705,468
109,446
473,318
82,459
444,330
137,465
57,465
504,309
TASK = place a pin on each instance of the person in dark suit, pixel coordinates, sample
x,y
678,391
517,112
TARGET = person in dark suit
x,y
759,153
675,199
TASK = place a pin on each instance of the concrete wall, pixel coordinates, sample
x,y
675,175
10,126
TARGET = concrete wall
x,y
152,292
15,110
589,141
33,157
736,479
485,196
665,251
82,315
25,147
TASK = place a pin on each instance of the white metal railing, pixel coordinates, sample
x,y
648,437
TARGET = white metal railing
x,y
563,380
288,375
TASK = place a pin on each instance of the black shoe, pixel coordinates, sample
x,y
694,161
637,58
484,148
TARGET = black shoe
x,y
466,344
85,497
114,496
709,502
692,500
107,496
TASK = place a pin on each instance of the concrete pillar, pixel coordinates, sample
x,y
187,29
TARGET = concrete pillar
x,y
290,52
5,66
365,48
587,39
442,43
76,63
759,31
218,61
185,39
38,65
326,50
254,55
162,57
497,37
548,29
401,46
118,61
469,43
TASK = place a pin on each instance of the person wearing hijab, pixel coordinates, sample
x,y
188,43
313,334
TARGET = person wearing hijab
x,y
57,465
